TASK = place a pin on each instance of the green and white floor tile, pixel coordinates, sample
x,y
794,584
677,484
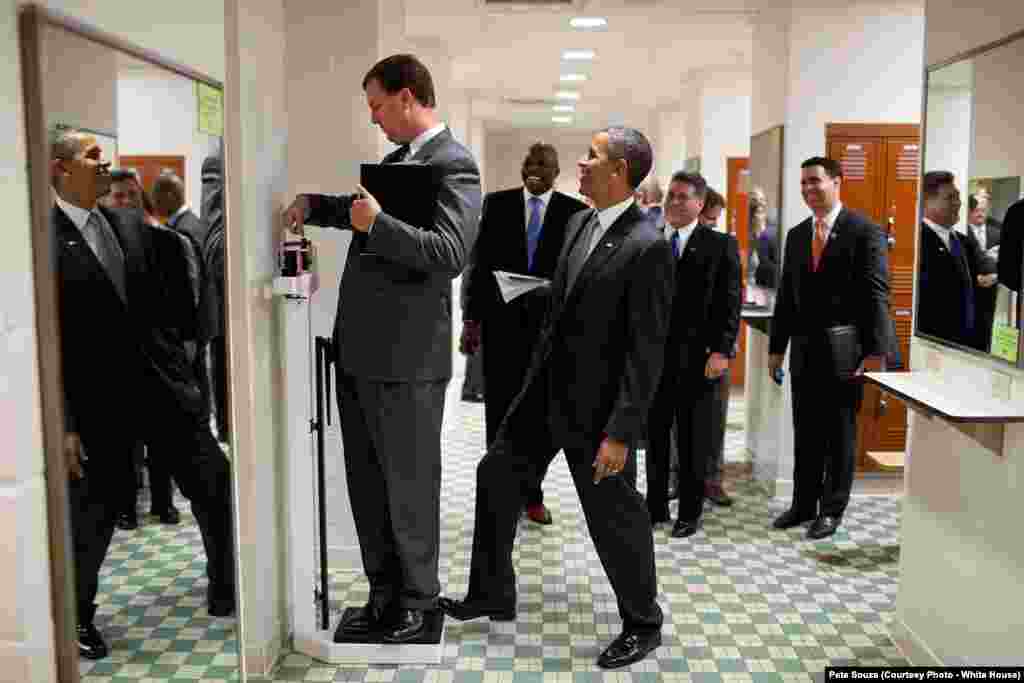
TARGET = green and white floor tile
x,y
742,602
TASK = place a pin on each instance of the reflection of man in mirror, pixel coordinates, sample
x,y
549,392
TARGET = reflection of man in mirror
x,y
125,375
126,193
714,203
983,236
835,273
764,241
947,264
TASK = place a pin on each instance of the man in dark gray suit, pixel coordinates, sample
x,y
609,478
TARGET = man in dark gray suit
x,y
593,376
393,335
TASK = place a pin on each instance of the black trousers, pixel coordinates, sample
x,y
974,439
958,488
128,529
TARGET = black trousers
x,y
95,501
616,519
506,356
219,386
391,434
717,459
696,406
161,489
187,447
825,442
203,475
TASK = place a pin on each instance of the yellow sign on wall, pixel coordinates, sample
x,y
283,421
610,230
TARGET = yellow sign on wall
x,y
1004,342
210,109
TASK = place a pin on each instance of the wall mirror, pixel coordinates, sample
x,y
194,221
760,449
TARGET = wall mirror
x,y
969,256
762,262
129,262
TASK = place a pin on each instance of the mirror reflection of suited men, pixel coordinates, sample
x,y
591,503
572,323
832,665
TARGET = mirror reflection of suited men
x,y
123,291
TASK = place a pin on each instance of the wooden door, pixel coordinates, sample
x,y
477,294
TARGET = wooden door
x,y
737,216
151,166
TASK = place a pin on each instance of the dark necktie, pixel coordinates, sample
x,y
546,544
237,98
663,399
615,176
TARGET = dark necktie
x,y
580,251
675,244
533,231
967,287
108,252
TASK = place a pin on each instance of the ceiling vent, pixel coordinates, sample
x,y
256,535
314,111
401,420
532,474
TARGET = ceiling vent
x,y
528,101
526,5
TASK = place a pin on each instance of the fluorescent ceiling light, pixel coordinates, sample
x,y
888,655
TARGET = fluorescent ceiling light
x,y
561,119
567,95
588,22
571,78
578,55
563,107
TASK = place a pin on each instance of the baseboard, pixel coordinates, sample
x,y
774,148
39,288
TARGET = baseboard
x,y
261,659
911,646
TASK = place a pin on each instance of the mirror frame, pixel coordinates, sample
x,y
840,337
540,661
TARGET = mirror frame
x,y
33,19
928,72
755,315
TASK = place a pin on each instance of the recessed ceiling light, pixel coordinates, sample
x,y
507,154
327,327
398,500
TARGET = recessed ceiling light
x,y
573,78
561,119
564,107
578,55
567,95
588,22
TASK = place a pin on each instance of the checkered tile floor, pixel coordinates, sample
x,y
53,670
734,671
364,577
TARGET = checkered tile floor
x,y
152,608
742,602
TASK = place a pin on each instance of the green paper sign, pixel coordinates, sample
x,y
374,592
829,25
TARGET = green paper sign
x,y
1004,342
210,109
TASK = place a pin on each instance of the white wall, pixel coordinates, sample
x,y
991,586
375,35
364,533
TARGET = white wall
x,y
156,114
256,145
190,32
955,28
670,143
726,125
850,62
960,565
81,82
998,113
770,81
505,149
948,134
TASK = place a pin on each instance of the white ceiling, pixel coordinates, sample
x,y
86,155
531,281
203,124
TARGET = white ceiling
x,y
643,57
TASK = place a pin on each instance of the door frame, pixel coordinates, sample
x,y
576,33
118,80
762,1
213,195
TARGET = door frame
x,y
32,20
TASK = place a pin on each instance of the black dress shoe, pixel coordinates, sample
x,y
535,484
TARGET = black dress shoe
x,y
466,610
717,495
220,601
823,527
168,516
362,621
791,518
402,624
90,642
684,528
127,522
629,647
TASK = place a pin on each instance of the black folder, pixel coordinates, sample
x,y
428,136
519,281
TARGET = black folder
x,y
845,349
406,191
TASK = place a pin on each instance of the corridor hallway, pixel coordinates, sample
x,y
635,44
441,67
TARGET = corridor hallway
x,y
742,602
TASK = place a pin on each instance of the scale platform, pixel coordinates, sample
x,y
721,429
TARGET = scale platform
x,y
363,650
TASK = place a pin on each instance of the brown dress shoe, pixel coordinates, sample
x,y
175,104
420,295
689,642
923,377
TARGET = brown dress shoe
x,y
538,513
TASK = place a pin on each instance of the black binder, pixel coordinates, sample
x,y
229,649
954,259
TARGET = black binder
x,y
406,191
845,350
